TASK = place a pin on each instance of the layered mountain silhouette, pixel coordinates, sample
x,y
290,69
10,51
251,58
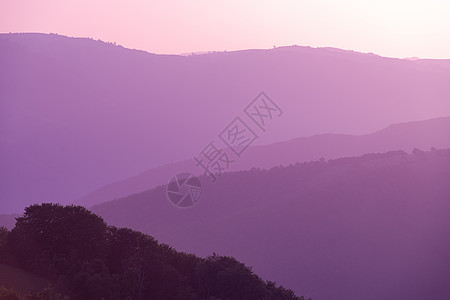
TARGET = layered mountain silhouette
x,y
77,114
404,136
367,227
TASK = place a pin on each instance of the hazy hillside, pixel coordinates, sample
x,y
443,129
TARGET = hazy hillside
x,y
405,136
76,114
370,227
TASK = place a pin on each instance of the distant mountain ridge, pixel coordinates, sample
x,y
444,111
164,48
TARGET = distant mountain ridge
x,y
76,114
404,136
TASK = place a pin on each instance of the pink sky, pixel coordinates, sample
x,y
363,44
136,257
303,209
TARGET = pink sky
x,y
389,28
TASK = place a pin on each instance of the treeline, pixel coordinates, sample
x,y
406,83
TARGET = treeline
x,y
87,259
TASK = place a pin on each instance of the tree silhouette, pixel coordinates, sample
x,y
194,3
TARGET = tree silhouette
x,y
89,260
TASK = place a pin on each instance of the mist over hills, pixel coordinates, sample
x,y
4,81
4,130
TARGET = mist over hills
x,y
404,136
368,227
76,114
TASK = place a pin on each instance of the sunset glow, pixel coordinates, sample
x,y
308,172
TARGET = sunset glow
x,y
388,28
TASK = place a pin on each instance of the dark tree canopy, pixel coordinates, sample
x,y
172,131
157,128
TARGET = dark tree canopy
x,y
89,260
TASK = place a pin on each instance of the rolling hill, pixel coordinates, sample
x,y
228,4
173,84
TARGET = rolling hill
x,y
77,114
405,136
368,227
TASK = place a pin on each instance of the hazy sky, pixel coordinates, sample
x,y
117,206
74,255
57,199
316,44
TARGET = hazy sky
x,y
387,27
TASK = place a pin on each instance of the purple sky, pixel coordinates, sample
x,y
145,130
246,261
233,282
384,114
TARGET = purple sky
x,y
396,28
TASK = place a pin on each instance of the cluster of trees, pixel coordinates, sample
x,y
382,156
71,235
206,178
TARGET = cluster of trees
x,y
87,259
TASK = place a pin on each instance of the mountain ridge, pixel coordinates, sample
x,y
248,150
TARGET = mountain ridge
x,y
406,136
98,113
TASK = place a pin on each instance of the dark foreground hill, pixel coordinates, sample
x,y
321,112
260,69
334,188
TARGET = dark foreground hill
x,y
88,260
370,227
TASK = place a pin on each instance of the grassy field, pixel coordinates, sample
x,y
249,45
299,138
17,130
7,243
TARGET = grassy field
x,y
20,280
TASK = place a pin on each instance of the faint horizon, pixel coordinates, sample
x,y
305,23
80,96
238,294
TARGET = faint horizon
x,y
201,52
389,28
